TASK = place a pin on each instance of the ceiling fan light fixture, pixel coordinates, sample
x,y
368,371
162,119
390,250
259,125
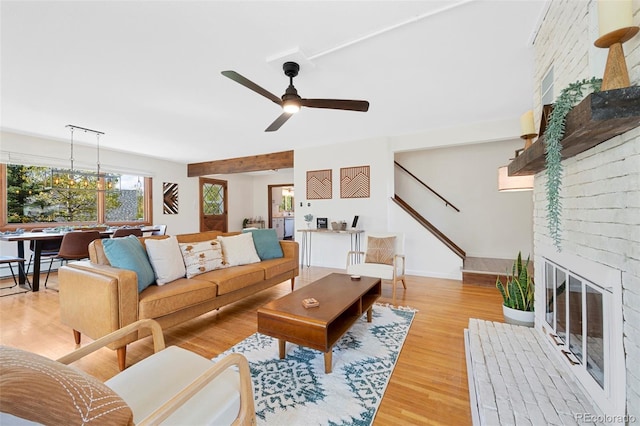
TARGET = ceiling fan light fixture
x,y
291,102
290,107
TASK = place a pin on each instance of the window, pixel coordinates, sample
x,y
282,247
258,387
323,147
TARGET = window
x,y
125,201
36,194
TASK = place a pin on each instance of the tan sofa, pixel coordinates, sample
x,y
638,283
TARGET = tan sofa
x,y
97,299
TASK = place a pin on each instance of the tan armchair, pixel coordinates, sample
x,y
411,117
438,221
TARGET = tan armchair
x,y
172,386
384,258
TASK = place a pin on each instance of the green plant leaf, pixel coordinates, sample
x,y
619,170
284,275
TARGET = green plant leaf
x,y
553,134
518,291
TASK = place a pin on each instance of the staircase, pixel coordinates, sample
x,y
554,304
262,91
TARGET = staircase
x,y
484,271
475,270
428,225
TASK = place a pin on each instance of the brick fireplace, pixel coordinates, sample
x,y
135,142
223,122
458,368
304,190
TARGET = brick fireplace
x,y
599,267
600,204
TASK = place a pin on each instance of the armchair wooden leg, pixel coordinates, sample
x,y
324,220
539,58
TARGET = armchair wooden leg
x,y
293,282
404,284
77,336
393,293
122,358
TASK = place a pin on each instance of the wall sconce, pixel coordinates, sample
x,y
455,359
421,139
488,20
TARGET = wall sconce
x,y
508,183
527,128
615,22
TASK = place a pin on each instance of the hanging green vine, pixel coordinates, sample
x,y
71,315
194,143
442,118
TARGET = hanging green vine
x,y
570,96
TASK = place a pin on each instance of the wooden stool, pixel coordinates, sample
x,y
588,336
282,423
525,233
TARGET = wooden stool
x,y
14,259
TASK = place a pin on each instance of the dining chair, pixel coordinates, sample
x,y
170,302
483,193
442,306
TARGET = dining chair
x,y
74,246
49,250
159,230
124,232
9,260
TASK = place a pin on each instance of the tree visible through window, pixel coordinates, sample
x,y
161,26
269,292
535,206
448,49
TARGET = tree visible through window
x,y
44,194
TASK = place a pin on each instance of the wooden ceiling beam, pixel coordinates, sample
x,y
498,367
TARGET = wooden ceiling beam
x,y
253,163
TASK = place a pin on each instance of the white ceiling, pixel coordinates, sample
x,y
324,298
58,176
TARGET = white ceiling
x,y
147,73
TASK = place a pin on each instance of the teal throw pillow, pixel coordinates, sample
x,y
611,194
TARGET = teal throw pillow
x,y
128,253
266,242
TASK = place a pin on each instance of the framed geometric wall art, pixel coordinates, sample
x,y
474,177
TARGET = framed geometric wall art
x,y
355,182
319,185
169,198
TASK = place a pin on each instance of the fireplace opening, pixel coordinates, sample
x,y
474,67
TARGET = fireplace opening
x,y
575,311
582,318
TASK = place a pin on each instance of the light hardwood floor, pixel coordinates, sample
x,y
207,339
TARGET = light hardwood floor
x,y
428,386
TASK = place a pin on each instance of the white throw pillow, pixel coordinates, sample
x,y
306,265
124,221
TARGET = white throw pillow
x,y
202,257
166,259
239,249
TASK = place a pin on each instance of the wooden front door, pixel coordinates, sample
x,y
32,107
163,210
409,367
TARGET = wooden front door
x,y
213,205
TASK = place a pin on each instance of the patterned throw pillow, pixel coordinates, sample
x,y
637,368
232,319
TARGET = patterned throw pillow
x,y
380,250
202,257
48,392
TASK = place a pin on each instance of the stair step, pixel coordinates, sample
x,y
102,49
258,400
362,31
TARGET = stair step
x,y
484,271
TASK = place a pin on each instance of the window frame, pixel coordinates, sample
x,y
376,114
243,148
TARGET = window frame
x,y
101,209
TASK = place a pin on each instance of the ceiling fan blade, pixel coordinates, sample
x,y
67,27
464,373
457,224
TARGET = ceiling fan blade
x,y
336,104
251,85
278,122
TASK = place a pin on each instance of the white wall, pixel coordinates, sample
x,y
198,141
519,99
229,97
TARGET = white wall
x,y
247,194
24,149
426,256
505,129
601,187
330,250
490,223
260,193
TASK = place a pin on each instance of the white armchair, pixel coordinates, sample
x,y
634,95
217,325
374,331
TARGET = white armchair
x,y
383,258
172,386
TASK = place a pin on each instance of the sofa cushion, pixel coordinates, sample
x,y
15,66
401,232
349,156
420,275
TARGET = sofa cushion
x,y
274,267
166,259
128,253
235,278
200,257
156,301
48,392
239,249
266,242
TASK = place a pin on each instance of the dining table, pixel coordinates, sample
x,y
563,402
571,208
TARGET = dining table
x,y
38,238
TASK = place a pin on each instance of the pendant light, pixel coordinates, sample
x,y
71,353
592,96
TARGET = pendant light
x,y
71,176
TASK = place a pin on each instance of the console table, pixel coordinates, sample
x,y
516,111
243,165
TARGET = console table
x,y
354,235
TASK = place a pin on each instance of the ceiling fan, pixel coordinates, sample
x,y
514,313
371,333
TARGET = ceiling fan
x,y
291,101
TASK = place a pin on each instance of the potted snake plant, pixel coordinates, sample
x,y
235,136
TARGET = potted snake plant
x,y
517,294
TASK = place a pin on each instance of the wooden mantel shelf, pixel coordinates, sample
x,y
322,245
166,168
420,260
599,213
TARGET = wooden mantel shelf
x,y
599,117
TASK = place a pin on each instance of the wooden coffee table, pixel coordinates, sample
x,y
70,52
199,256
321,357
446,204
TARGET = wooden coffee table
x,y
342,302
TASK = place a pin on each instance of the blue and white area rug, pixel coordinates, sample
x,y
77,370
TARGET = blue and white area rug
x,y
296,390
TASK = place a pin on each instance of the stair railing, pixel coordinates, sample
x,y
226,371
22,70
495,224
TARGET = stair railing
x,y
434,192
